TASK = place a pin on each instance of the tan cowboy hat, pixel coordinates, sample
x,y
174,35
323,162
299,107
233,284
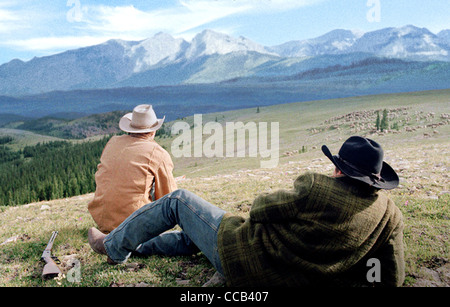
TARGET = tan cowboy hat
x,y
142,120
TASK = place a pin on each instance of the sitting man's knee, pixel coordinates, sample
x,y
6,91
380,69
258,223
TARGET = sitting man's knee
x,y
180,193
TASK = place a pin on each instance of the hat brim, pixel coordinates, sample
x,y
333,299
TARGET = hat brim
x,y
125,125
389,178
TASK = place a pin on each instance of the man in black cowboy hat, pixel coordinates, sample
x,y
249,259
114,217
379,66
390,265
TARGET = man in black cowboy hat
x,y
339,230
362,159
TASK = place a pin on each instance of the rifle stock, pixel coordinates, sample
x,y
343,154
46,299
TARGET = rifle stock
x,y
51,269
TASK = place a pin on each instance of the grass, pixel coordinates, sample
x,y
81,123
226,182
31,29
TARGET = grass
x,y
423,196
24,138
297,119
20,261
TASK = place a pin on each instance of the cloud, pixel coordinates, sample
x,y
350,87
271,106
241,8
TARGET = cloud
x,y
251,6
9,19
55,43
97,23
123,20
184,16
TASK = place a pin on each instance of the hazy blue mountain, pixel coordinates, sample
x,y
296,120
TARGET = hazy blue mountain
x,y
92,67
211,57
212,43
334,42
162,48
444,37
406,43
345,78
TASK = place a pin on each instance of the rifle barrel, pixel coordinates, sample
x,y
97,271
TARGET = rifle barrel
x,y
52,239
47,250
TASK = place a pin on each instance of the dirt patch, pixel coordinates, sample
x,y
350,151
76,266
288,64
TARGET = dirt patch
x,y
435,273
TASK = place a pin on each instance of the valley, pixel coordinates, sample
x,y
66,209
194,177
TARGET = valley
x,y
416,145
216,72
58,111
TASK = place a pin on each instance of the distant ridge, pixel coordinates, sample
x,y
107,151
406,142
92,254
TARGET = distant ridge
x,y
209,57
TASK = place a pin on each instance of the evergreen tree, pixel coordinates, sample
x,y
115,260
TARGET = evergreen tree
x,y
48,171
377,122
384,125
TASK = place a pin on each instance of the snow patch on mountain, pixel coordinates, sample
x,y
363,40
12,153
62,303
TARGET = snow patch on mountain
x,y
212,57
160,48
209,42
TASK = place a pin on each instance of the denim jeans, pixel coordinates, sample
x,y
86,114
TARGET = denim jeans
x,y
144,231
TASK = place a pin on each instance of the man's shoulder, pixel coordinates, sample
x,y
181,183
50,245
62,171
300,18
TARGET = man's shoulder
x,y
311,179
151,145
157,154
120,140
145,147
394,211
314,176
161,150
115,141
320,185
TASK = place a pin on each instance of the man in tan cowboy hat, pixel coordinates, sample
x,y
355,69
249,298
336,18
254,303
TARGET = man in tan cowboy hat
x,y
337,230
130,166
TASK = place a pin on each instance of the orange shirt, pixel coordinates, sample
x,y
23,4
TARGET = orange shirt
x,y
128,167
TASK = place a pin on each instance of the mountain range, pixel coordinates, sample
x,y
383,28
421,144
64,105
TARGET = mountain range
x,y
212,57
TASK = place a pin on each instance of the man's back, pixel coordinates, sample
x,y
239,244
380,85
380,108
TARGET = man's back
x,y
322,231
128,167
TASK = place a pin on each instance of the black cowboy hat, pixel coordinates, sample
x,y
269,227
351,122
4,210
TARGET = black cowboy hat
x,y
362,159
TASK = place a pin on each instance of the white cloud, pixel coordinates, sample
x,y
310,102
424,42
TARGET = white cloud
x,y
55,43
252,5
98,23
9,19
123,20
6,15
185,16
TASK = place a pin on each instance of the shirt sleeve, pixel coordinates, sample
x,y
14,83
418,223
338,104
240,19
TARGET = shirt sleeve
x,y
164,180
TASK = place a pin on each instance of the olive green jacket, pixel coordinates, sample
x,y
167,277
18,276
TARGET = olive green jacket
x,y
322,232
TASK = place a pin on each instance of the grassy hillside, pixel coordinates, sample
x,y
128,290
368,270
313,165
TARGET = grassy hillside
x,y
418,150
314,123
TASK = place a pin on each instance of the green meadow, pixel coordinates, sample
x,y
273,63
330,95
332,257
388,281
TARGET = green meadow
x,y
416,144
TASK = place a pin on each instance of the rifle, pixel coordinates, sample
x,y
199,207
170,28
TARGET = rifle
x,y
51,268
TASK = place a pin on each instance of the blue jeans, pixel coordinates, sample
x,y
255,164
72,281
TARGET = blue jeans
x,y
144,231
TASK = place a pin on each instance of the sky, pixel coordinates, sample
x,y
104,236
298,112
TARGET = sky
x,y
30,28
